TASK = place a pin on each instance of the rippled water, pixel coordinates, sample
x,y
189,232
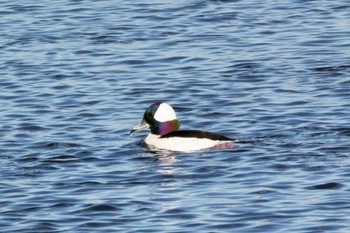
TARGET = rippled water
x,y
77,75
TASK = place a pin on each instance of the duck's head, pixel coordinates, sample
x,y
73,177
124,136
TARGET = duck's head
x,y
160,117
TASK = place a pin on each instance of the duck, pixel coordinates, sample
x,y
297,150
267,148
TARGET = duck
x,y
165,134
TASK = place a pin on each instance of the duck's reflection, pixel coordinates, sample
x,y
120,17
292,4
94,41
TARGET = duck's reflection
x,y
166,161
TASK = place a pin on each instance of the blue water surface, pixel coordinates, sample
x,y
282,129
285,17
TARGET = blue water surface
x,y
77,75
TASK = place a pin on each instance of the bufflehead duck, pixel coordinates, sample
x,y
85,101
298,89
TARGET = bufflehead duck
x,y
165,133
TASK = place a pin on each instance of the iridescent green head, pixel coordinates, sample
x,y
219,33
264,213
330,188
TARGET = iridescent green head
x,y
160,117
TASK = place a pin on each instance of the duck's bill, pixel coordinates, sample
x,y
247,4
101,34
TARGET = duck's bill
x,y
143,125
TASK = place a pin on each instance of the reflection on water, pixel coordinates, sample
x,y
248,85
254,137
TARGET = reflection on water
x,y
167,163
75,76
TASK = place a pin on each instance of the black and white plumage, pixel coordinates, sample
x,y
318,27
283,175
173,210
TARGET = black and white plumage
x,y
165,134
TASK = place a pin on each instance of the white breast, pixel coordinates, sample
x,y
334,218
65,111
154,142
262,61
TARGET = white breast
x,y
180,143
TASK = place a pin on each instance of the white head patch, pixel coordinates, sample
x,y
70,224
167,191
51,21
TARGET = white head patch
x,y
165,113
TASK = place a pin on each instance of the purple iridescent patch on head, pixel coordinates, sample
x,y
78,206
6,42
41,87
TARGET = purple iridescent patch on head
x,y
167,127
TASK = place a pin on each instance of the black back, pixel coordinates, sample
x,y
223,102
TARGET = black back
x,y
196,134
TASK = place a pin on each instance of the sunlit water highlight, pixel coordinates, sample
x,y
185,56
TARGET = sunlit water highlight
x,y
77,75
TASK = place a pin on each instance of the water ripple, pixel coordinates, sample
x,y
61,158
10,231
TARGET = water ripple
x,y
77,75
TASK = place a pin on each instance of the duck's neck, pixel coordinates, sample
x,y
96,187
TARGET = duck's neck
x,y
163,128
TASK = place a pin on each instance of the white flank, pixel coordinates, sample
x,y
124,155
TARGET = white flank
x,y
180,143
165,113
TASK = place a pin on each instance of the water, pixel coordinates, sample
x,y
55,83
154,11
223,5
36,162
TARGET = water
x,y
77,75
